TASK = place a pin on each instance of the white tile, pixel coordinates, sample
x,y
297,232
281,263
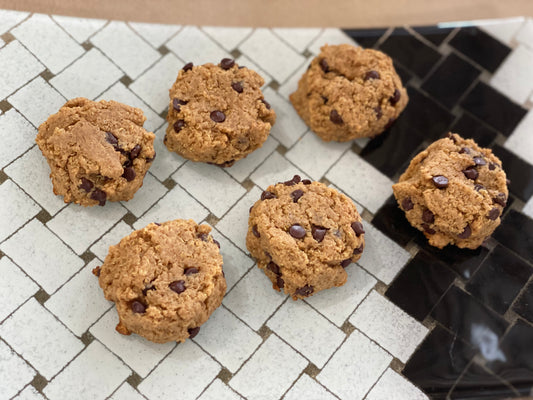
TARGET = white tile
x,y
331,36
219,391
94,374
525,34
314,156
267,50
246,62
393,385
80,226
252,299
298,38
227,339
175,204
151,191
193,45
337,304
15,212
48,42
9,19
88,76
111,238
234,225
2,43
521,140
361,181
184,374
307,331
37,100
15,287
48,345
289,127
18,66
503,30
307,388
166,161
228,37
126,392
29,393
121,93
528,208
242,168
125,48
139,354
361,360
275,169
32,173
514,77
275,363
14,371
17,136
154,84
291,84
79,28
155,34
80,302
210,185
388,325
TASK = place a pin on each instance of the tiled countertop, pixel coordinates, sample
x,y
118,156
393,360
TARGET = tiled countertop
x,y
412,322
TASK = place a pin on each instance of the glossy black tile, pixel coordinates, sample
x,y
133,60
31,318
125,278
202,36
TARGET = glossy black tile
x,y
450,80
464,262
470,127
516,233
494,108
403,73
390,220
524,304
365,37
518,171
480,47
433,33
410,52
479,383
499,279
420,285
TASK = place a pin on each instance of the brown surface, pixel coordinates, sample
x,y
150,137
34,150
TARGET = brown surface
x,y
340,13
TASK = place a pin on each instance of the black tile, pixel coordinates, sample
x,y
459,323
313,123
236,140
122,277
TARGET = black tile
x,y
365,37
410,52
499,279
420,285
390,220
438,362
469,319
404,74
479,383
516,233
524,304
518,171
480,47
450,80
464,262
433,33
470,127
494,108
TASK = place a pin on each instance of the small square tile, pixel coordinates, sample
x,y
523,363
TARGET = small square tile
x,y
518,240
193,45
111,238
297,38
88,76
275,169
79,28
503,30
138,353
242,168
393,384
166,162
219,391
48,353
155,34
365,37
331,36
96,373
246,62
470,127
521,141
15,212
150,192
15,145
360,359
307,331
80,302
15,287
291,84
518,171
9,19
14,370
264,366
524,305
228,37
29,393
126,392
184,374
307,388
514,77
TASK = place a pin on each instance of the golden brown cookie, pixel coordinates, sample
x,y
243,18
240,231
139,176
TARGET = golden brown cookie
x,y
217,113
303,234
349,92
96,151
454,192
165,279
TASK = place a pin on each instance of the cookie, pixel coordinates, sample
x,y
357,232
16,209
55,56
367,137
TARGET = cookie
x,y
349,92
96,151
165,279
454,192
217,113
303,234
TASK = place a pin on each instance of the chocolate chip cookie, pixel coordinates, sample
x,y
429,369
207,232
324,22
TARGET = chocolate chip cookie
x,y
217,113
303,234
349,92
96,151
165,279
454,192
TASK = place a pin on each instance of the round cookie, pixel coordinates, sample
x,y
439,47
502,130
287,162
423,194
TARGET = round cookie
x,y
96,151
454,192
165,279
217,113
303,234
349,92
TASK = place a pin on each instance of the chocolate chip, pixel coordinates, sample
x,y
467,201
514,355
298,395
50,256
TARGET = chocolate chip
x,y
395,98
177,286
359,250
138,307
267,254
129,174
203,237
440,181
466,233
335,117
471,173
480,161
218,116
250,210
157,223
500,199
267,195
227,63
296,195
297,231
494,213
216,242
272,266
237,86
193,332
178,125
176,105
188,66
280,282
111,139
451,136
427,229
371,75
306,181
191,271
305,290
407,204
478,187
428,216
96,271
358,228
255,232
318,233
346,262
134,153
464,150
378,112
295,179
147,288
127,163
325,99
99,195
86,184
324,65
266,103
492,166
